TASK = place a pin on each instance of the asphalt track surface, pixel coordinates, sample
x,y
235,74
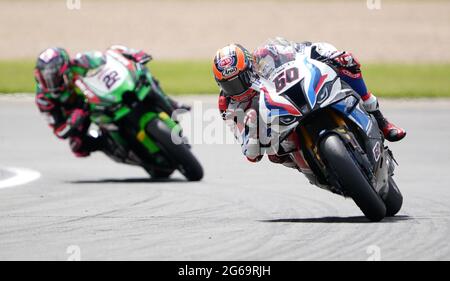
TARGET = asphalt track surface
x,y
240,211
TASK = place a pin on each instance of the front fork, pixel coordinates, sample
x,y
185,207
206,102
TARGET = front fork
x,y
309,141
142,135
303,142
309,145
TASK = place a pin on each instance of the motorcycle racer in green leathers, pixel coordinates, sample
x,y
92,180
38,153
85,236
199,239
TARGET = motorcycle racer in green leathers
x,y
65,106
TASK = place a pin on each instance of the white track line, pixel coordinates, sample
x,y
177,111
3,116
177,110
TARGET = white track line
x,y
21,176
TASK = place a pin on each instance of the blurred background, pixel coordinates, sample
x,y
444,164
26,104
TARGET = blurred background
x,y
403,45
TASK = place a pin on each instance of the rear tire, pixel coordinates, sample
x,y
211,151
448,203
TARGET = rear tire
x,y
180,153
352,179
394,199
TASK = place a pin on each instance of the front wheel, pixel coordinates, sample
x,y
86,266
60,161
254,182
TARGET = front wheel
x,y
158,173
351,178
179,153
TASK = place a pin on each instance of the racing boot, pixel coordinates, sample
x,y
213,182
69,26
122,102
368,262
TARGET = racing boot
x,y
285,160
178,105
390,131
83,146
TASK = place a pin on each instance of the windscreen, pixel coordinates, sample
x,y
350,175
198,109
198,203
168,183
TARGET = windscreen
x,y
271,55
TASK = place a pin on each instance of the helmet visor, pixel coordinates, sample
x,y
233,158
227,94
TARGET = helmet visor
x,y
52,79
236,85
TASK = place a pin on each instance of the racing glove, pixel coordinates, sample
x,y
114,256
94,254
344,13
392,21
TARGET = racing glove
x,y
75,122
132,54
347,64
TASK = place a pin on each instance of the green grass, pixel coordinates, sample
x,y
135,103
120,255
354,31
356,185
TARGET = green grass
x,y
176,77
195,77
185,77
399,80
16,76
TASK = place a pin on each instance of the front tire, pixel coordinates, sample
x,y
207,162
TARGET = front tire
x,y
158,173
341,163
180,153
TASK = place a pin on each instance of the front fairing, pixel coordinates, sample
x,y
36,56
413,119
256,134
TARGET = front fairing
x,y
111,80
106,87
314,80
315,87
297,88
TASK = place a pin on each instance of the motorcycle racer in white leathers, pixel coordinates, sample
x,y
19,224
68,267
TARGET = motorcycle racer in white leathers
x,y
237,73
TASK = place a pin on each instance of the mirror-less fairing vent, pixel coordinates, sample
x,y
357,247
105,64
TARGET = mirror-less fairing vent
x,y
295,95
325,91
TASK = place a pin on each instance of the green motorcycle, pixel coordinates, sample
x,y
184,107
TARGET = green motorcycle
x,y
135,127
